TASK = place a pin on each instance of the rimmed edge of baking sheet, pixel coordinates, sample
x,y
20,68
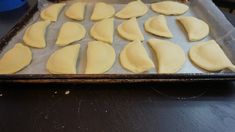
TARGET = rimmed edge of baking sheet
x,y
105,78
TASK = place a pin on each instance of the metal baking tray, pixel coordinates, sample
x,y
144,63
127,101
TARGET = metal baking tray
x,y
222,31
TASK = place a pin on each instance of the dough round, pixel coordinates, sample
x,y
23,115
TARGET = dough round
x,y
52,12
134,58
133,9
169,8
76,11
170,56
102,11
103,30
130,30
70,32
34,35
209,56
100,57
64,60
15,59
157,25
196,28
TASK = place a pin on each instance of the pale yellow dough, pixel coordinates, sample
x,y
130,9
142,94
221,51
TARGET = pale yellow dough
x,y
133,9
209,56
76,11
70,32
196,28
100,57
169,8
52,12
157,25
130,30
15,59
134,58
170,56
103,30
102,11
34,35
64,60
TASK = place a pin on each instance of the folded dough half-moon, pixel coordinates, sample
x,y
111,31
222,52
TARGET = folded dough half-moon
x,y
76,11
70,32
103,30
102,11
170,56
196,28
209,56
64,60
100,57
15,59
134,58
133,9
34,35
130,30
157,25
52,12
169,8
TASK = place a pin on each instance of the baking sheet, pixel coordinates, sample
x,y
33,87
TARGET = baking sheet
x,y
224,34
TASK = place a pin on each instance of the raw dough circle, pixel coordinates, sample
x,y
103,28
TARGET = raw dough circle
x,y
209,56
34,35
70,32
100,57
134,58
103,30
169,8
170,56
64,60
52,12
102,11
130,30
76,11
133,9
15,59
157,25
196,28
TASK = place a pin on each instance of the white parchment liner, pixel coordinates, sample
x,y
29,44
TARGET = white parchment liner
x,y
220,30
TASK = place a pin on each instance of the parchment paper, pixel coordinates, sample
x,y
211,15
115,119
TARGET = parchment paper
x,y
220,30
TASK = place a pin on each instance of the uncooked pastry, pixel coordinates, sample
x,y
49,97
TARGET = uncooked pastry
x,y
52,12
15,59
76,11
130,30
34,35
70,32
170,56
169,8
100,57
157,25
209,56
196,28
133,9
102,11
134,58
64,60
103,30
